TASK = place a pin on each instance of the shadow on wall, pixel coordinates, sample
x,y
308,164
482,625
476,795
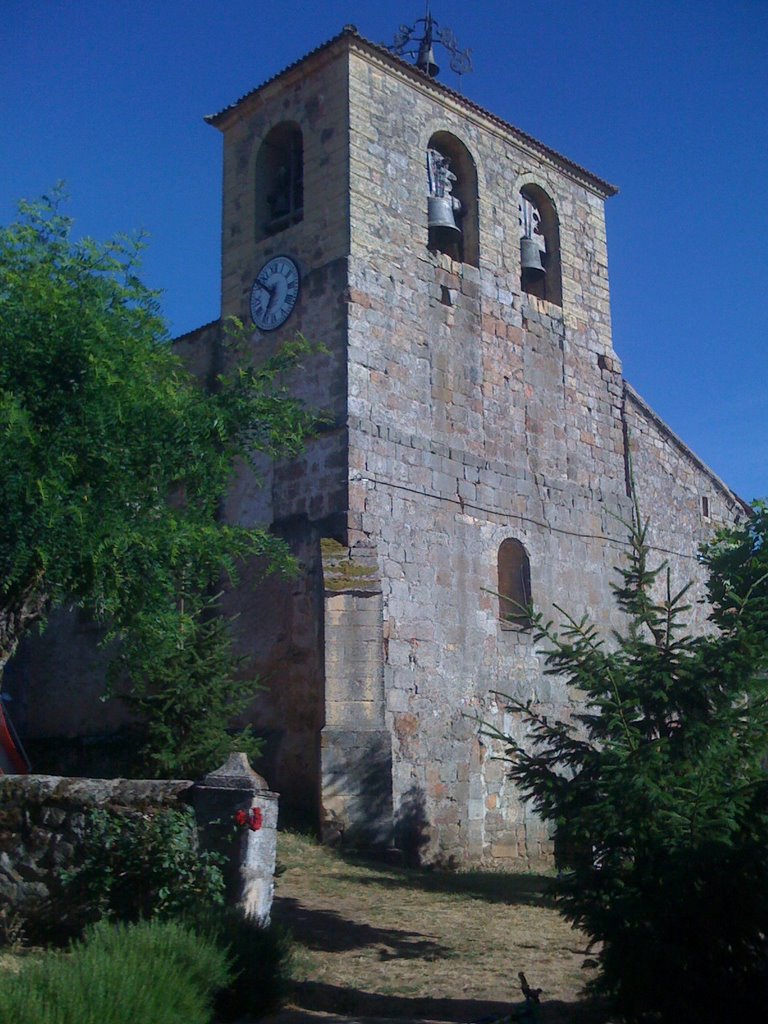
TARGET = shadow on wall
x,y
357,789
412,827
289,761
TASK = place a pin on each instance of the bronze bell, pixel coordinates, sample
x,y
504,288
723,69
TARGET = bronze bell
x,y
530,256
440,213
426,59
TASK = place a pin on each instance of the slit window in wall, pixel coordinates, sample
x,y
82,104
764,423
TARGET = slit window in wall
x,y
452,206
279,180
540,272
514,585
705,506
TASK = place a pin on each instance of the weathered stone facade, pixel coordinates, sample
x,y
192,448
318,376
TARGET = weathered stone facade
x,y
468,412
464,410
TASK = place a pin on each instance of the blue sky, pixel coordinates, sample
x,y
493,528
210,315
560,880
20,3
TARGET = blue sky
x,y
667,100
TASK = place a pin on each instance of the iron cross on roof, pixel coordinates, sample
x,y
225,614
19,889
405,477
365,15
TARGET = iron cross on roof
x,y
410,41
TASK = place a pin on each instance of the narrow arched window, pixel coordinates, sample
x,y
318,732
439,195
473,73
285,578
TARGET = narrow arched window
x,y
279,180
452,204
514,585
540,272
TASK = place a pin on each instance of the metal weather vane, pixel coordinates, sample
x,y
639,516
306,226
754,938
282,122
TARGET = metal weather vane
x,y
412,41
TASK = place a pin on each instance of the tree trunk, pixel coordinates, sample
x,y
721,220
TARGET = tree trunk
x,y
18,613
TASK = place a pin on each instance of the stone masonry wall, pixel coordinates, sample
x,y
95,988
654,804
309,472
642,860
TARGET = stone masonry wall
x,y
43,821
280,637
279,624
461,411
314,485
44,825
683,499
477,413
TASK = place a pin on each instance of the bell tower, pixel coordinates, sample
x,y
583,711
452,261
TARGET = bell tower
x,y
473,457
385,216
475,440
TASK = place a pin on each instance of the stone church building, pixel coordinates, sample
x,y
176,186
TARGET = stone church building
x,y
480,440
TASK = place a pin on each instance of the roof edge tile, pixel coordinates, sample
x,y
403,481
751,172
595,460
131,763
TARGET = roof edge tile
x,y
351,33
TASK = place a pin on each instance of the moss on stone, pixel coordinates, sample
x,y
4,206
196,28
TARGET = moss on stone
x,y
342,572
329,546
349,575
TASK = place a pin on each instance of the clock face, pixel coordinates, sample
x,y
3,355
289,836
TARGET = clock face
x,y
274,293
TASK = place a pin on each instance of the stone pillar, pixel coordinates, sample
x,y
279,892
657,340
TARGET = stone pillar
x,y
237,817
355,745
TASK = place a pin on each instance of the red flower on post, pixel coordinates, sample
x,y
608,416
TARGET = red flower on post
x,y
254,820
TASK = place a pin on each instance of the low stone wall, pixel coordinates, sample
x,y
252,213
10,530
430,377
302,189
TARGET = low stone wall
x,y
43,820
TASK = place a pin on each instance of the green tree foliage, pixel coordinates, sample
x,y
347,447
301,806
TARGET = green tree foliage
x,y
186,689
658,790
115,460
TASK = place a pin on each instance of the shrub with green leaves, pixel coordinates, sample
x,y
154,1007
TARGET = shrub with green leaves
x,y
659,789
152,972
261,958
143,865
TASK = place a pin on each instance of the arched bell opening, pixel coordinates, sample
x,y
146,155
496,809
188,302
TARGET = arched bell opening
x,y
540,271
279,180
452,201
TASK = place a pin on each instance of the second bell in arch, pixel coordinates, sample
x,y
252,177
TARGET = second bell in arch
x,y
530,256
440,214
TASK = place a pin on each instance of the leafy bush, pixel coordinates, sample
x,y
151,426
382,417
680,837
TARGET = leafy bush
x,y
153,972
659,790
261,959
143,865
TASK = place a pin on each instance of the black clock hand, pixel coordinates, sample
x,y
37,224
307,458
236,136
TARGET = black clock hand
x,y
266,288
270,293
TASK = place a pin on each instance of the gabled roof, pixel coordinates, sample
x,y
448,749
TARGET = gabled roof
x,y
730,495
350,34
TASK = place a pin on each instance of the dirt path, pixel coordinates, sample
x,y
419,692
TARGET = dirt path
x,y
378,941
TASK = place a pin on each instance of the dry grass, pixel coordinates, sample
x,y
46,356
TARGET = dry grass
x,y
389,942
10,962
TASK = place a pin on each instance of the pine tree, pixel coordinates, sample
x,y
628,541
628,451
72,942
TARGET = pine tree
x,y
658,792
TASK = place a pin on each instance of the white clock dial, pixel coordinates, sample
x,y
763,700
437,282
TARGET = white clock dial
x,y
274,293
